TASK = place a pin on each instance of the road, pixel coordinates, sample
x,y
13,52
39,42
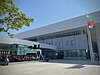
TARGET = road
x,y
55,67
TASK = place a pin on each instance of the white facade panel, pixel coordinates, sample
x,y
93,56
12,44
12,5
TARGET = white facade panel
x,y
75,42
81,41
48,41
58,42
69,43
40,41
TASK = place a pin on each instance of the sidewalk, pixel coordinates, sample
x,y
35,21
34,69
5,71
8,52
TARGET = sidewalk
x,y
87,62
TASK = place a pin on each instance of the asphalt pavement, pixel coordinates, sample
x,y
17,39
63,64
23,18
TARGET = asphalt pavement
x,y
53,67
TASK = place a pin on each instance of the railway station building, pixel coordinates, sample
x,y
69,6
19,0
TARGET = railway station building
x,y
69,36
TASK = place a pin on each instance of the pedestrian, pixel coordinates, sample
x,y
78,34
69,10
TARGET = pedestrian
x,y
7,60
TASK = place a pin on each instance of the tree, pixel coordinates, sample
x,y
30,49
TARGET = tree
x,y
11,17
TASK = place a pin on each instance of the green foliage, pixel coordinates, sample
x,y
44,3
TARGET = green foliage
x,y
12,17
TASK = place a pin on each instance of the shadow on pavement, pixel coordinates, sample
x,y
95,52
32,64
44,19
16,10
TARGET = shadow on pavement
x,y
76,67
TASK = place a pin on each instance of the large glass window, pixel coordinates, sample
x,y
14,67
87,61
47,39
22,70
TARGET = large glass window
x,y
74,53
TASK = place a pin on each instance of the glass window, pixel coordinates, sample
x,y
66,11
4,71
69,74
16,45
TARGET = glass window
x,y
74,53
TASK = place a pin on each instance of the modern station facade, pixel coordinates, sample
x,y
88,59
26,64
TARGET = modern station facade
x,y
70,37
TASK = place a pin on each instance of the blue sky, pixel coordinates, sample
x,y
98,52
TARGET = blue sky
x,y
47,12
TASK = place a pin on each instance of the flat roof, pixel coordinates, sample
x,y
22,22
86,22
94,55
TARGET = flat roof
x,y
60,26
6,41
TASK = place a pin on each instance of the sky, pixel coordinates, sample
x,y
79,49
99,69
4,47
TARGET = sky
x,y
46,12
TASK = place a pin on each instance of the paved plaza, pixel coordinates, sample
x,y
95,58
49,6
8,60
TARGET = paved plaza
x,y
54,67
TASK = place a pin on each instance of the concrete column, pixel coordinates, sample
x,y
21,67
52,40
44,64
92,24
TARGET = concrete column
x,y
90,44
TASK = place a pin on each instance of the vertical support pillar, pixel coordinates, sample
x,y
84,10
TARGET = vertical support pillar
x,y
90,44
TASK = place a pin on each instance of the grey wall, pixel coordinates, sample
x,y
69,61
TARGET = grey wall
x,y
58,42
74,42
98,38
69,43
